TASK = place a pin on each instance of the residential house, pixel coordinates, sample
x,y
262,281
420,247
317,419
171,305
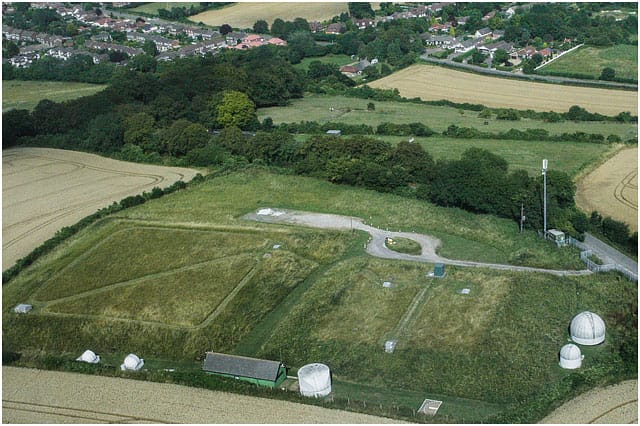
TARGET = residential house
x,y
49,40
337,28
131,51
462,20
32,48
104,37
483,33
444,41
234,37
489,15
491,48
63,53
348,69
497,34
546,52
316,27
364,23
509,13
360,66
23,61
420,11
467,45
527,52
277,41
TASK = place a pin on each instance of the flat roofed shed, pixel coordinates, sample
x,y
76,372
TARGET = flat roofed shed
x,y
259,371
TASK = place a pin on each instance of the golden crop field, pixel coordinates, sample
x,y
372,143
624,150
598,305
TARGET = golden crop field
x,y
435,83
244,15
612,189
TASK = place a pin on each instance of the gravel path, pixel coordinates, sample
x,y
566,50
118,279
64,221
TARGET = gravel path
x,y
37,396
377,246
615,404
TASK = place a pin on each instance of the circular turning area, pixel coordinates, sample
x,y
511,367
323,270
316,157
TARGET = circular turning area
x,y
315,380
587,328
570,357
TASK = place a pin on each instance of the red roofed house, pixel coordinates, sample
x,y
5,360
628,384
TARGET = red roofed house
x,y
348,69
277,41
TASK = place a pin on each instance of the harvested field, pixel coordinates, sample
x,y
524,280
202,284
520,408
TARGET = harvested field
x,y
617,404
244,15
435,83
612,189
45,189
35,396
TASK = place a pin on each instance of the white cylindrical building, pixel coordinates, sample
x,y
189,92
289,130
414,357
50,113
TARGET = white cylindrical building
x,y
132,362
570,357
587,328
89,356
314,380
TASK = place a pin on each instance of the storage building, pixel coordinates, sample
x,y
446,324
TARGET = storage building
x,y
258,371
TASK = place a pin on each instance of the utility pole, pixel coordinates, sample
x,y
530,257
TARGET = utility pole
x,y
545,163
522,218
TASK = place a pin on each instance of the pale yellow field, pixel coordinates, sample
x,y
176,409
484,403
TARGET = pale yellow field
x,y
46,189
244,15
435,83
612,189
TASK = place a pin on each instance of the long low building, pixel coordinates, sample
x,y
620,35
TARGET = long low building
x,y
258,371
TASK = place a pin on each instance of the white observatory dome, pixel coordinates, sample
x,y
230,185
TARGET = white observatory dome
x,y
315,380
587,328
570,356
132,362
89,356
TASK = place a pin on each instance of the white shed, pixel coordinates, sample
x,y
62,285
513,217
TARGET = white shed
x,y
587,328
22,308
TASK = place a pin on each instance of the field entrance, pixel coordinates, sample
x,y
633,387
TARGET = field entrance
x,y
612,189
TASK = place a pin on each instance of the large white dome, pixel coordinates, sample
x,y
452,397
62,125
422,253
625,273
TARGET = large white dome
x,y
570,356
314,380
132,362
89,356
587,328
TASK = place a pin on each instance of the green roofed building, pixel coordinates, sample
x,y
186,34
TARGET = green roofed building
x,y
258,371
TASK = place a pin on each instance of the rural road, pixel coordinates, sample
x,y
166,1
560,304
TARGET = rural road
x,y
38,396
609,254
46,189
377,246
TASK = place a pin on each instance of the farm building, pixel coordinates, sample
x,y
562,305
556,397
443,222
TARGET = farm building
x,y
587,328
258,371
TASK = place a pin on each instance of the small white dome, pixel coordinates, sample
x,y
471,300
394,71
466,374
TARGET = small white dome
x,y
132,362
587,328
89,356
570,356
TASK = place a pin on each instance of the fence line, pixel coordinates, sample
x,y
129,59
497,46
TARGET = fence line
x,y
594,267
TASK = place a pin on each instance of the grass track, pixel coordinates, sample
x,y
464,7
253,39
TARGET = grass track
x,y
18,94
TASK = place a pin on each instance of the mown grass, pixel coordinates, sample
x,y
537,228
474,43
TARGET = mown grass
x,y
315,107
17,94
404,245
591,60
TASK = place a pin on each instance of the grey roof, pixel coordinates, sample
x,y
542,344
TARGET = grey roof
x,y
241,366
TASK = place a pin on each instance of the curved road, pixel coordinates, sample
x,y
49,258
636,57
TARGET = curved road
x,y
377,246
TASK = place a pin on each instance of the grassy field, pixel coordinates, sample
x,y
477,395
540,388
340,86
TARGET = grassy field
x,y
434,83
184,274
244,15
353,110
152,8
26,94
591,60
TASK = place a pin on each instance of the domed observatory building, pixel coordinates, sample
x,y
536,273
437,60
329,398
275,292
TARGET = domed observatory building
x,y
587,328
314,380
132,363
570,357
89,356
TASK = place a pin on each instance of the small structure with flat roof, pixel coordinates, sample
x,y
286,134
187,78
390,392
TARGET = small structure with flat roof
x,y
258,371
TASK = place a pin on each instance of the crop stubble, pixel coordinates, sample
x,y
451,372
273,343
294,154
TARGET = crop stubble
x,y
612,189
435,83
46,189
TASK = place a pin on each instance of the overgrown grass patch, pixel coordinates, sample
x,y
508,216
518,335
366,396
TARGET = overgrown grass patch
x,y
404,245
591,60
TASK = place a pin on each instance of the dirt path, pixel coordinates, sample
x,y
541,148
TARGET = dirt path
x,y
612,188
377,246
36,396
46,189
615,404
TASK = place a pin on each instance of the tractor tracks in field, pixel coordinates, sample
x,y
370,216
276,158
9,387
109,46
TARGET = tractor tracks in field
x,y
628,182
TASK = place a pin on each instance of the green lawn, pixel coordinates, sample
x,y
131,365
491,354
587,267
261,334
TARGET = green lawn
x,y
354,110
152,8
338,60
26,94
151,280
590,60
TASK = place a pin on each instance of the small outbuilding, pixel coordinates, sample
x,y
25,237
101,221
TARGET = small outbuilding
x,y
570,357
390,346
557,237
22,308
258,371
132,363
587,328
89,356
314,380
334,132
438,270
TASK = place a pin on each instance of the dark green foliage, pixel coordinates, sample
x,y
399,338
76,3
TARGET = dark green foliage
x,y
105,133
16,123
261,27
360,10
608,74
